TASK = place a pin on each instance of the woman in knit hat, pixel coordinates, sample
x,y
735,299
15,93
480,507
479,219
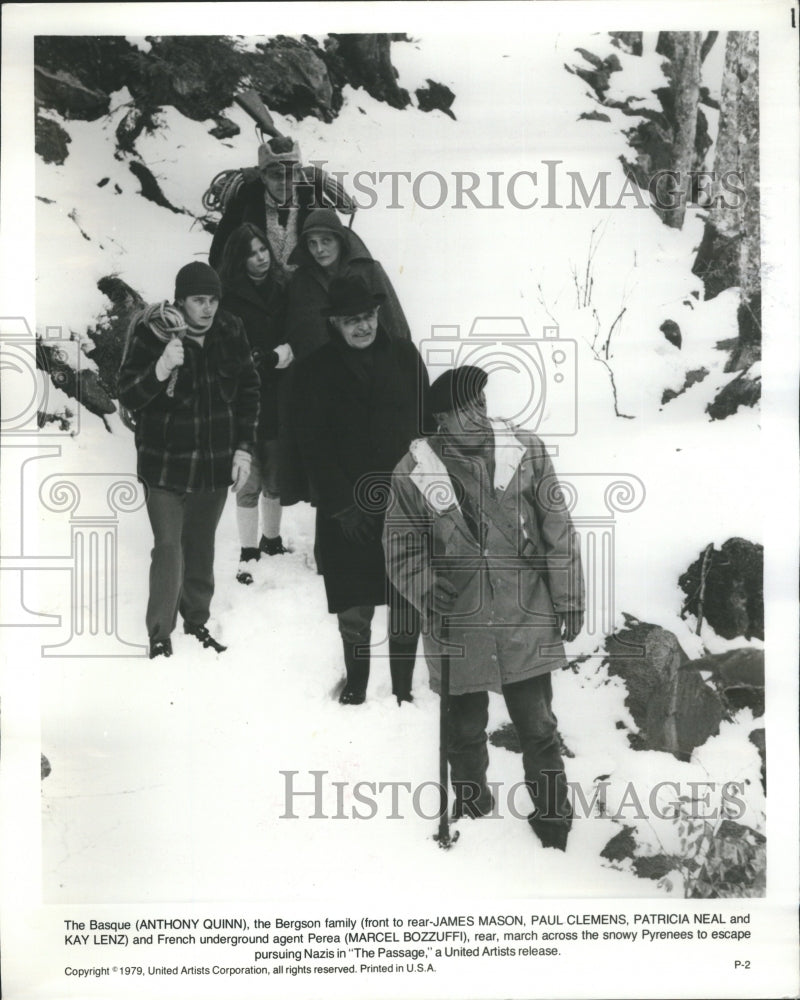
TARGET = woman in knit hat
x,y
188,377
253,288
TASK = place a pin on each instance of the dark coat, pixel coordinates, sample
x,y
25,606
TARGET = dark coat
x,y
262,310
317,190
352,433
186,441
306,328
503,627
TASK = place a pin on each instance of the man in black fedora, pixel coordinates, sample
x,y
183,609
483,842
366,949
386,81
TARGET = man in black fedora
x,y
360,407
479,539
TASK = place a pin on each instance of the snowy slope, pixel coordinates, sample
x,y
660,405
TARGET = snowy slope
x,y
201,779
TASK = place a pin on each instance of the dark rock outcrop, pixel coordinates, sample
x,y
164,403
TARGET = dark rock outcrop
x,y
65,93
674,710
738,676
51,140
733,595
692,378
435,97
365,61
672,332
293,78
83,385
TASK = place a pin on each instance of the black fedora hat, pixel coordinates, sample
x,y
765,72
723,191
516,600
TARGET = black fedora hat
x,y
350,297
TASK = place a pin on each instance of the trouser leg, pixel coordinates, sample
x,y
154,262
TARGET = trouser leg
x,y
203,511
355,630
468,754
404,629
529,704
165,508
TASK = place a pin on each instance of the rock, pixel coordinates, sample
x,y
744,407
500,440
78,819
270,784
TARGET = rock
x,y
642,655
225,128
673,708
51,140
82,385
654,866
717,261
150,188
435,97
599,77
742,391
672,332
622,845
110,335
593,116
758,738
65,93
364,60
197,74
692,378
683,714
103,63
44,766
129,129
738,675
293,78
627,41
733,602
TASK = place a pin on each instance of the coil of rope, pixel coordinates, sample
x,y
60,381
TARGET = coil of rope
x,y
166,322
221,189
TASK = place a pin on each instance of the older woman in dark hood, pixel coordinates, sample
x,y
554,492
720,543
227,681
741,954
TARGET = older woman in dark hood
x,y
328,250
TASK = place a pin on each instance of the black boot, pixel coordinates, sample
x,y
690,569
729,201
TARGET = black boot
x,y
243,573
401,666
273,546
160,647
201,633
357,667
472,799
555,831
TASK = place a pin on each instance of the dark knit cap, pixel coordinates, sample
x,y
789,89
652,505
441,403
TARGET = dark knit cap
x,y
197,279
456,388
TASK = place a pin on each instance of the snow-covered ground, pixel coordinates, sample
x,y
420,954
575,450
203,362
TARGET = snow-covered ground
x,y
167,776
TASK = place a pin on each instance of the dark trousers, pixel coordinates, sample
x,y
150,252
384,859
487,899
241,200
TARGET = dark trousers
x,y
182,559
529,704
355,624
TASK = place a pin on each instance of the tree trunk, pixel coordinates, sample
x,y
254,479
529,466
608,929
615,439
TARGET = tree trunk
x,y
730,253
683,49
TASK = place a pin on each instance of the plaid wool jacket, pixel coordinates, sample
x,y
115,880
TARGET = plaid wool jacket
x,y
185,441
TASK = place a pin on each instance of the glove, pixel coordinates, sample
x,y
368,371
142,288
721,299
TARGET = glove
x,y
240,472
443,596
569,624
357,527
285,355
171,358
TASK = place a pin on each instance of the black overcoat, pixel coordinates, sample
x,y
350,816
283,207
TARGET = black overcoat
x,y
262,310
352,432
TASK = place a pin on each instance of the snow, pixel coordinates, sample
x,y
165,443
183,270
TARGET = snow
x,y
188,753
